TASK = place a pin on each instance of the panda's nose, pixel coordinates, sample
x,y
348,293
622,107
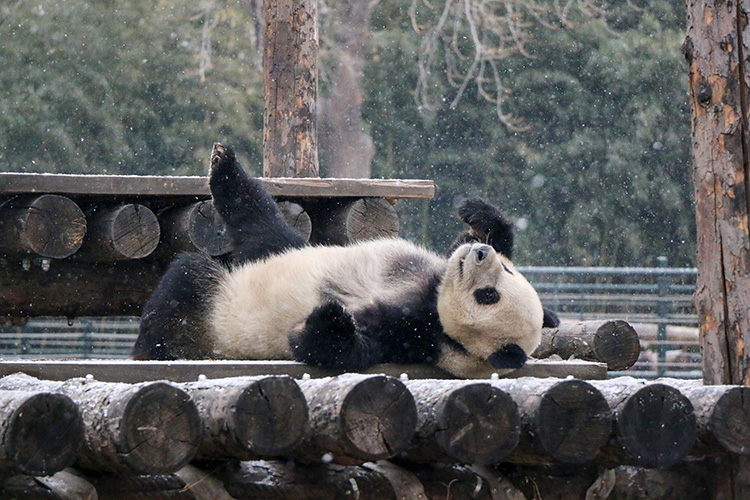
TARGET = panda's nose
x,y
481,252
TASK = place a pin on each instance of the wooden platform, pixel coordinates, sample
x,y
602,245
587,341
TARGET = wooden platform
x,y
186,371
187,186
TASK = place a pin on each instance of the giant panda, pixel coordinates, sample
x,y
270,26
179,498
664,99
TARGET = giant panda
x,y
343,307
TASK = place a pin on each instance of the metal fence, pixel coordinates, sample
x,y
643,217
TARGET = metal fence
x,y
656,301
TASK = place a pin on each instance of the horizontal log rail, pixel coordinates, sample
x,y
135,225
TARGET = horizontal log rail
x,y
128,371
197,186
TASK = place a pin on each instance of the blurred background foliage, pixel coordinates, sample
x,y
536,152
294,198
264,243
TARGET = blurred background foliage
x,y
583,136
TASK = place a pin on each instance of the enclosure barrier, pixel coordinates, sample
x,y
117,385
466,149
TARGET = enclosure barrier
x,y
360,435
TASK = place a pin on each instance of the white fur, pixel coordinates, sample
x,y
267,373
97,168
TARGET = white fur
x,y
259,303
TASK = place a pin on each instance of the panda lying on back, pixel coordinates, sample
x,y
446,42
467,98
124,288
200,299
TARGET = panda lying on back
x,y
343,308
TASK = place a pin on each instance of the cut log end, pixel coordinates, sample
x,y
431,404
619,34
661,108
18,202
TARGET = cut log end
x,y
656,426
616,343
371,218
45,434
160,429
730,420
378,418
574,421
49,225
478,424
271,416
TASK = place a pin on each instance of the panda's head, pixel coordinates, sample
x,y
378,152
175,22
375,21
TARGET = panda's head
x,y
491,314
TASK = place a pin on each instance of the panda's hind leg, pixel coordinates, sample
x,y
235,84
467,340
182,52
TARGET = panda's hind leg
x,y
255,223
329,339
173,322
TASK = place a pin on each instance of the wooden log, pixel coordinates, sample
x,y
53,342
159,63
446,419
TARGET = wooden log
x,y
273,480
63,485
40,433
654,424
453,482
49,226
722,415
562,421
462,421
190,188
613,342
290,88
249,417
686,481
188,483
349,221
147,428
355,418
297,217
78,288
124,370
123,232
196,227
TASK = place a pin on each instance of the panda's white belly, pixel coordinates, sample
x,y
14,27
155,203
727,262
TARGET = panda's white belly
x,y
259,303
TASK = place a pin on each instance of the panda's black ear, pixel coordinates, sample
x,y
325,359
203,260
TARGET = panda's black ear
x,y
488,225
550,319
511,356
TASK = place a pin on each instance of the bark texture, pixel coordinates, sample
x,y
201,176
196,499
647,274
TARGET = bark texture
x,y
290,88
715,50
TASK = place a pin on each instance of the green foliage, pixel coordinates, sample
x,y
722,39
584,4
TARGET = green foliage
x,y
598,175
98,86
601,173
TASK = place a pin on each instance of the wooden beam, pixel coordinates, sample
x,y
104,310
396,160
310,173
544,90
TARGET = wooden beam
x,y
290,88
116,370
717,43
167,186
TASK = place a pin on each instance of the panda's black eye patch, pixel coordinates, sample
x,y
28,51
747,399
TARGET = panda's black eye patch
x,y
486,296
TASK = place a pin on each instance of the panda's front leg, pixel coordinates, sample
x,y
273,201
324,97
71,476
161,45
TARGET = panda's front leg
x,y
329,339
488,225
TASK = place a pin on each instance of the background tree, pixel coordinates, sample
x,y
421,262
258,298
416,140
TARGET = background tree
x,y
594,163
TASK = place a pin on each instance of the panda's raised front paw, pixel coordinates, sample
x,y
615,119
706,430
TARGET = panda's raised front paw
x,y
476,212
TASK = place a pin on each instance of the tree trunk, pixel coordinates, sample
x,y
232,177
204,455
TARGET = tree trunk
x,y
715,49
345,141
718,91
290,88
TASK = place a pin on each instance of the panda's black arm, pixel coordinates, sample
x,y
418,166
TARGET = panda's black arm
x,y
255,223
488,225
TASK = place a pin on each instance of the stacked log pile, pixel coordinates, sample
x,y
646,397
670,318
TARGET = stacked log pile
x,y
66,241
360,436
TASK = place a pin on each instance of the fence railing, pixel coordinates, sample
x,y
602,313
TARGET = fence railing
x,y
657,301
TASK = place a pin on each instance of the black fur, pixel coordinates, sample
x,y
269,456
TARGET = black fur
x,y
486,296
510,356
407,333
173,322
488,225
550,319
173,319
254,222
